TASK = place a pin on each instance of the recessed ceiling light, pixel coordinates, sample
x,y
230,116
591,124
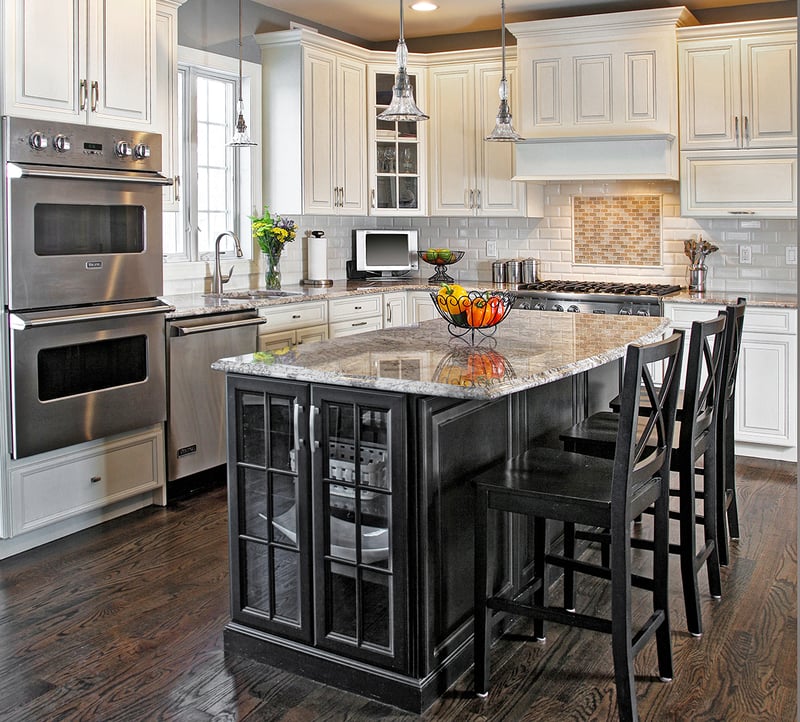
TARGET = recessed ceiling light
x,y
424,7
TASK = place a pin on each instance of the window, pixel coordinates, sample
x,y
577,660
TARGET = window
x,y
218,191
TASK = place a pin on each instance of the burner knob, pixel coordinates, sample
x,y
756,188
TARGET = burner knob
x,y
557,307
37,140
61,143
624,312
140,151
573,309
122,149
642,312
538,306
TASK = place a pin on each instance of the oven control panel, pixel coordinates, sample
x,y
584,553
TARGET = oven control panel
x,y
79,146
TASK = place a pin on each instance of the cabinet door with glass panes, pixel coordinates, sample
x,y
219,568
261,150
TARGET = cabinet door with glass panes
x,y
397,151
359,489
270,508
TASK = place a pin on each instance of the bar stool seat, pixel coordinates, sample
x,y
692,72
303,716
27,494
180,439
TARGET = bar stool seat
x,y
553,485
694,438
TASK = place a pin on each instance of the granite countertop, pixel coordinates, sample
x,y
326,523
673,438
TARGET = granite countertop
x,y
530,348
197,305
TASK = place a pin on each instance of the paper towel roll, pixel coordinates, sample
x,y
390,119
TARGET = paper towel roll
x,y
317,258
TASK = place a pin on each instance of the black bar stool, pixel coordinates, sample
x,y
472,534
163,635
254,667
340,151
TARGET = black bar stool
x,y
695,439
549,484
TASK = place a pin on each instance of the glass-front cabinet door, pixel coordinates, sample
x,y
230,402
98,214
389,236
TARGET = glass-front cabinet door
x,y
269,506
397,157
360,515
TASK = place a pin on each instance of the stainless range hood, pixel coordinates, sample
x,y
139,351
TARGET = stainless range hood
x,y
609,157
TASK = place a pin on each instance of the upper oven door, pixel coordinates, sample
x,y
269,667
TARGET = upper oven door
x,y
78,236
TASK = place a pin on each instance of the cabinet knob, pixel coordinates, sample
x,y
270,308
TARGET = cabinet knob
x,y
95,479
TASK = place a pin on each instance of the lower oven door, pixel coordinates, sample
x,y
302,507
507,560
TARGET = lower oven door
x,y
82,374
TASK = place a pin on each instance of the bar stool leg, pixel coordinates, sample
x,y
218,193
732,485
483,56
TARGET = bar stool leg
x,y
541,546
569,574
688,547
621,626
661,585
710,521
482,612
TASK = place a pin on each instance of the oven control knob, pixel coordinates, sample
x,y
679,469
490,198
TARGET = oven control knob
x,y
538,306
37,140
642,312
624,312
140,151
573,309
61,143
557,307
122,149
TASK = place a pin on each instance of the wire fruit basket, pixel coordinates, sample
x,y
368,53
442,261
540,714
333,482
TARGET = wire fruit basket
x,y
480,311
440,258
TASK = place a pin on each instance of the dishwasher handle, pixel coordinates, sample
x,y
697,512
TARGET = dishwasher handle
x,y
206,328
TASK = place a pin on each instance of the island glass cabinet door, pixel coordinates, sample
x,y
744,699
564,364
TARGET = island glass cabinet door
x,y
361,575
269,504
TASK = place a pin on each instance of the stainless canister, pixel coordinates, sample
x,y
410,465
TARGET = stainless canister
x,y
530,270
498,272
514,271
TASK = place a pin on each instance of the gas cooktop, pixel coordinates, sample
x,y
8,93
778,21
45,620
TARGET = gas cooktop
x,y
612,287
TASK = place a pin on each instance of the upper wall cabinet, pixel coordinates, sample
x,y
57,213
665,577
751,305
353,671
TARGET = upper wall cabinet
x,y
314,124
739,85
598,95
89,61
469,176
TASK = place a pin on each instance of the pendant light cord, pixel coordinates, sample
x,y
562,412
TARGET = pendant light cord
x,y
502,33
240,51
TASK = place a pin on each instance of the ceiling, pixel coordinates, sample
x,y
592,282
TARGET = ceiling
x,y
378,20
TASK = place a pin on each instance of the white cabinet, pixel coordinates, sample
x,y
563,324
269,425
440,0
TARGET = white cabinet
x,y
587,83
766,382
291,324
739,85
314,124
355,314
166,116
420,307
469,176
89,61
394,309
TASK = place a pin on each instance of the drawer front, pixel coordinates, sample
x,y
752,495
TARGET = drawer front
x,y
293,315
348,328
63,485
756,318
345,309
684,316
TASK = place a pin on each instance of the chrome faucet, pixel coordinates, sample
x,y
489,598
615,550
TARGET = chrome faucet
x,y
219,279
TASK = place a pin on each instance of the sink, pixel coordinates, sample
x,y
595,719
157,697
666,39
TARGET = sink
x,y
254,293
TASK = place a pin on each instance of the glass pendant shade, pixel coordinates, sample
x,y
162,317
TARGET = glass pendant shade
x,y
503,129
241,137
402,106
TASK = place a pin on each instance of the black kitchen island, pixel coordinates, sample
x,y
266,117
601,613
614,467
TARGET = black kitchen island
x,y
350,499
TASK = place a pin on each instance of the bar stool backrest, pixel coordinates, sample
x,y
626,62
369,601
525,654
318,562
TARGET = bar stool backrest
x,y
644,445
733,343
704,375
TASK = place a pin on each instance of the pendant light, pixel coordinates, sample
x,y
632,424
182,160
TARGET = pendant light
x,y
402,106
241,138
503,130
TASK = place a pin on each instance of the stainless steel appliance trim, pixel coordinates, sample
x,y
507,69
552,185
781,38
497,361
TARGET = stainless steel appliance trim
x,y
185,330
22,170
33,319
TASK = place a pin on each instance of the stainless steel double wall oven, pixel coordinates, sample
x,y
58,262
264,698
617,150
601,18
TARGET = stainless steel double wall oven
x,y
83,269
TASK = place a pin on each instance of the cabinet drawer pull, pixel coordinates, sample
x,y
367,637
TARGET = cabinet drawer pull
x,y
95,479
312,420
296,315
360,323
84,93
356,308
298,442
95,95
745,131
177,186
736,128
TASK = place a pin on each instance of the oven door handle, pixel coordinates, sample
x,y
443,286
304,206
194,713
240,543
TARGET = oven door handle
x,y
24,321
205,328
22,170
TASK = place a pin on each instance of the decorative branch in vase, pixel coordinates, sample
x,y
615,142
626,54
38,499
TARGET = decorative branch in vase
x,y
272,232
696,249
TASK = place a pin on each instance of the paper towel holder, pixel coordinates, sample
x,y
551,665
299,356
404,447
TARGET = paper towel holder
x,y
317,281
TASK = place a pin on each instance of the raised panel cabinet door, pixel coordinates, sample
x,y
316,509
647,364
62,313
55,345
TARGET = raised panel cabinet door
x,y
121,62
166,102
769,91
762,391
42,59
710,94
351,175
592,86
453,146
394,309
498,195
319,133
420,307
311,334
277,341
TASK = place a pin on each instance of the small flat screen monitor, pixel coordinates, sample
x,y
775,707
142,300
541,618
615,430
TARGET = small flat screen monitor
x,y
387,253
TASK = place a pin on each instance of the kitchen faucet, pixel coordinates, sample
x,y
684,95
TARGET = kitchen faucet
x,y
219,279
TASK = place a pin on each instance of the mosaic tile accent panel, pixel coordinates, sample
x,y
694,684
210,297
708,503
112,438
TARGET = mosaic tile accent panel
x,y
617,230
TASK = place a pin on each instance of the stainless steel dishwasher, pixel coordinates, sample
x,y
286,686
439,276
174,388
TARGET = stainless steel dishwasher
x,y
196,412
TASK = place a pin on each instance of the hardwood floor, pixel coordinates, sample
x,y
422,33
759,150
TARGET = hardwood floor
x,y
124,622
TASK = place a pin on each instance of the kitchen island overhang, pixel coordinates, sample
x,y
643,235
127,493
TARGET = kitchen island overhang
x,y
350,496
